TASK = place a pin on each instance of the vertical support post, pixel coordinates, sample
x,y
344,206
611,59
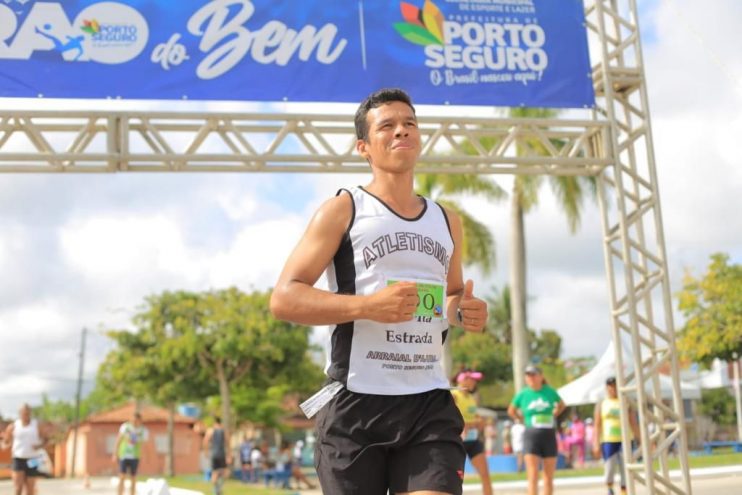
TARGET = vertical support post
x,y
77,402
635,256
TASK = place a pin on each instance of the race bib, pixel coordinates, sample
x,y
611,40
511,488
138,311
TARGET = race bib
x,y
542,421
432,297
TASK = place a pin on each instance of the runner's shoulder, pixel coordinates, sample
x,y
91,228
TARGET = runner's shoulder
x,y
335,213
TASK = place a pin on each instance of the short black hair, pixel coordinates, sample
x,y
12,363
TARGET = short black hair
x,y
611,380
374,100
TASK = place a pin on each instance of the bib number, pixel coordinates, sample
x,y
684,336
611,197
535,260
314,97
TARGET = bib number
x,y
431,296
542,421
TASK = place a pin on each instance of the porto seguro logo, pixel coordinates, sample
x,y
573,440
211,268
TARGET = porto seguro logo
x,y
104,32
473,45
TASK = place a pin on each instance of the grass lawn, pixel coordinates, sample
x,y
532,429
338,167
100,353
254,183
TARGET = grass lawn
x,y
231,487
721,458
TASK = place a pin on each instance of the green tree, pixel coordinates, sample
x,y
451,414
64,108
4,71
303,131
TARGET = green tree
x,y
546,346
500,321
154,362
570,193
238,344
483,352
189,346
712,306
718,404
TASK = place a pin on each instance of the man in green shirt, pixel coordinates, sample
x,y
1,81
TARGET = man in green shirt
x,y
128,450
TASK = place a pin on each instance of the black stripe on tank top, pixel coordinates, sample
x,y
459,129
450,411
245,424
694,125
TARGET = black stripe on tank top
x,y
448,224
341,339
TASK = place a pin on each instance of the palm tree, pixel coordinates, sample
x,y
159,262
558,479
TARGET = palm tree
x,y
478,243
570,193
500,323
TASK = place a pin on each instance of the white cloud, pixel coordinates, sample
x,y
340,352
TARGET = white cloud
x,y
257,255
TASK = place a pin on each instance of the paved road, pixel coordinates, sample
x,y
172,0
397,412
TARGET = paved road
x,y
727,482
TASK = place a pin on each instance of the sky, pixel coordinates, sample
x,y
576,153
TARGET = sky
x,y
84,250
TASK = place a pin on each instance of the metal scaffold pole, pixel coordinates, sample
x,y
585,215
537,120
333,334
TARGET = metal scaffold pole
x,y
635,256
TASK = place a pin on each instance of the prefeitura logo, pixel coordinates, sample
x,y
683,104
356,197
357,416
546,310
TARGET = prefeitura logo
x,y
422,26
471,48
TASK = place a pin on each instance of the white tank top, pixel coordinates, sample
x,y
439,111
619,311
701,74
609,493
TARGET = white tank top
x,y
24,439
383,358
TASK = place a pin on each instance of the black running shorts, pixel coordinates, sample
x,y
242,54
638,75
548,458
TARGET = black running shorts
x,y
21,465
473,448
540,441
218,462
371,444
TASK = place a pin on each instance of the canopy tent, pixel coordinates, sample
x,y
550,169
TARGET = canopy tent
x,y
590,387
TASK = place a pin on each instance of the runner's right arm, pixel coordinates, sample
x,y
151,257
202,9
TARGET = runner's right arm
x,y
296,299
598,424
514,412
116,446
7,439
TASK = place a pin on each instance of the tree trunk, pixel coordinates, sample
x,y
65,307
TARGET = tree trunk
x,y
226,406
170,461
518,291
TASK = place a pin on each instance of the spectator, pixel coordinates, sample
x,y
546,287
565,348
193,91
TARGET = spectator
x,y
507,446
246,448
296,471
577,447
490,436
516,434
128,451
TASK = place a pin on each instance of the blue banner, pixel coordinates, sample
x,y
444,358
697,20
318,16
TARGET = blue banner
x,y
469,52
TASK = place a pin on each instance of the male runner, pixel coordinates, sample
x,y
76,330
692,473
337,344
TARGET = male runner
x,y
393,262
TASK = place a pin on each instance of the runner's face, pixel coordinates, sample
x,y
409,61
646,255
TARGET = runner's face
x,y
611,391
469,384
535,380
393,138
25,414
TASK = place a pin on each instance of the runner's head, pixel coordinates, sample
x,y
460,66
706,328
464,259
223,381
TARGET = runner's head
x,y
25,413
468,379
610,387
534,377
387,132
137,419
375,100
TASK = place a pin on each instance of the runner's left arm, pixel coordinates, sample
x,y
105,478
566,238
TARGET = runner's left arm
x,y
460,297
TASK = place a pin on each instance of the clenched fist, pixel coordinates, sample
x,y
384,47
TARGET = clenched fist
x,y
393,304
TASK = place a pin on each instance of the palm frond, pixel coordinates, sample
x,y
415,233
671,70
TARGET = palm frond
x,y
478,244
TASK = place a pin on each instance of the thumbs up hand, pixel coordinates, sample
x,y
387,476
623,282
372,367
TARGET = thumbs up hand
x,y
472,311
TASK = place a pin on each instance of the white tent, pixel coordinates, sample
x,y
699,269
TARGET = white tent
x,y
590,387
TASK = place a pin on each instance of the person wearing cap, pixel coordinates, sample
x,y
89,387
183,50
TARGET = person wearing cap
x,y
467,402
538,405
607,439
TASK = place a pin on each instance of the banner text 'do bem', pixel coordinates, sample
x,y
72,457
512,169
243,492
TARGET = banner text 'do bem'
x,y
469,52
